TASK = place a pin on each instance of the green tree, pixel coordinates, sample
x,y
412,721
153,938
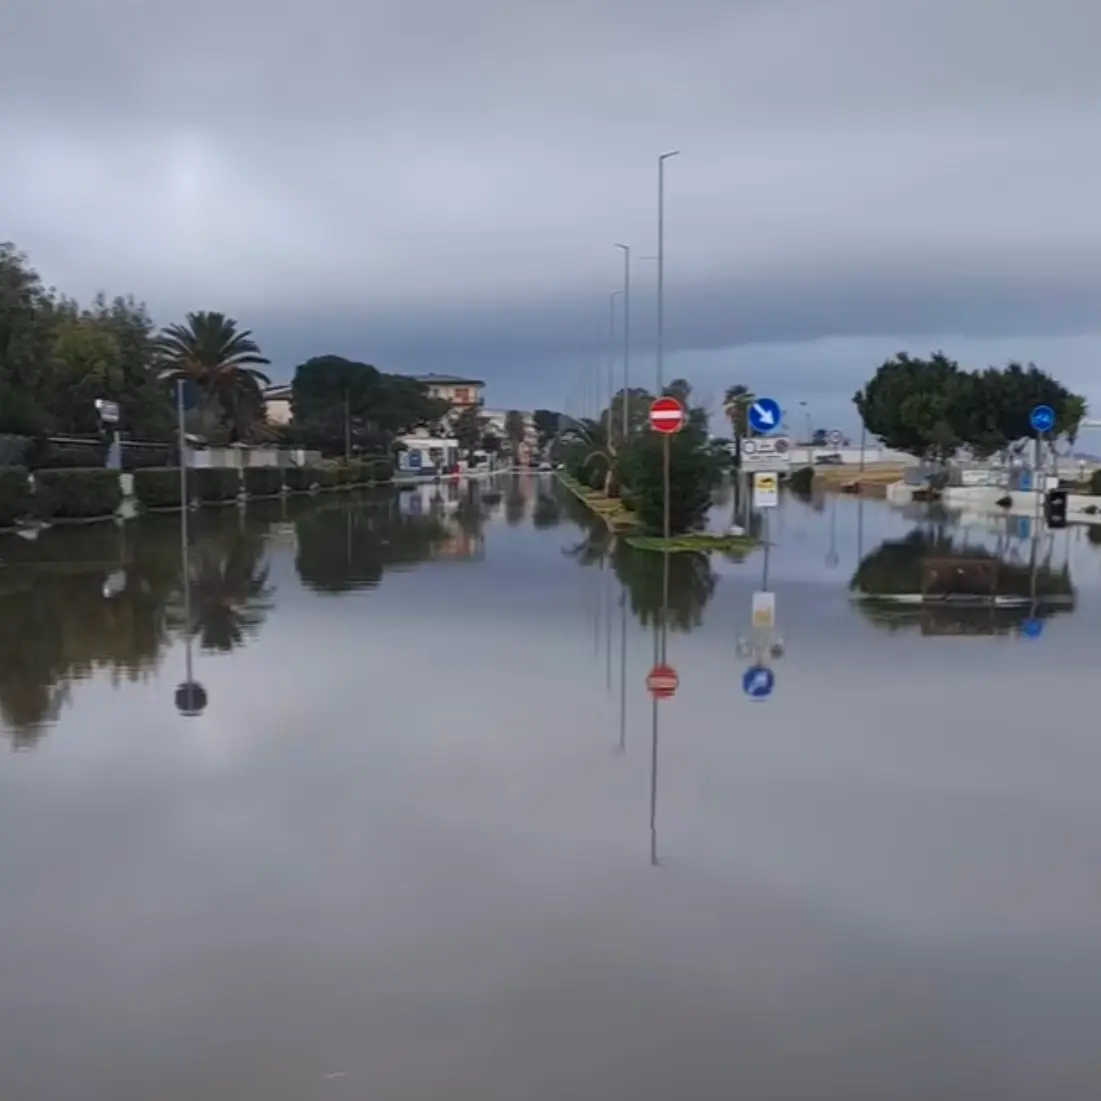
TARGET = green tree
x,y
693,473
515,430
468,428
930,408
328,389
546,423
210,351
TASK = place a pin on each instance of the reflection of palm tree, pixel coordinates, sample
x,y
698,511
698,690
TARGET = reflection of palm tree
x,y
547,511
515,503
230,595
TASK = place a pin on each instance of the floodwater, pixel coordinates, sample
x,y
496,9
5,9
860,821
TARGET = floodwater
x,y
430,839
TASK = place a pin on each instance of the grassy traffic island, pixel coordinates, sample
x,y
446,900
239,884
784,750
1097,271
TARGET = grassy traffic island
x,y
694,541
622,520
611,510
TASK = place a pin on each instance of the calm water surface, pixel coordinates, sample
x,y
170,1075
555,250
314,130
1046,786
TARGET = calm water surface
x,y
425,841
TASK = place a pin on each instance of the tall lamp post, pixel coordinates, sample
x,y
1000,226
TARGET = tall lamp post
x,y
611,363
626,332
661,268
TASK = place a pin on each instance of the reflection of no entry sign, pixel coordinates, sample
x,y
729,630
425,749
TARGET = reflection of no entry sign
x,y
667,416
662,682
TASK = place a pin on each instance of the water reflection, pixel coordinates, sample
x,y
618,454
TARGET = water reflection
x,y
57,626
903,569
672,589
227,596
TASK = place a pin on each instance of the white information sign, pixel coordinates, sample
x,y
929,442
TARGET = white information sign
x,y
766,453
766,489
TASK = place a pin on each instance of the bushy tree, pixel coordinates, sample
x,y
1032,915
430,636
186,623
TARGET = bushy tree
x,y
693,473
930,408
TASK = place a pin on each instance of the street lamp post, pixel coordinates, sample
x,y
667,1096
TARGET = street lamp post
x,y
626,332
611,363
661,268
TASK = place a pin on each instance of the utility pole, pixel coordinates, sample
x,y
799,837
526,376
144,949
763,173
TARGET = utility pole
x,y
661,269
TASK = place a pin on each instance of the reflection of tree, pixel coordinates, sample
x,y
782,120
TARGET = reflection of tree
x,y
345,547
691,584
57,627
230,595
547,511
516,503
691,578
896,567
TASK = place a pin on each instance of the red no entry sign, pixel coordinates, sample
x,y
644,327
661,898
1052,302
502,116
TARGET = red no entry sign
x,y
666,415
662,682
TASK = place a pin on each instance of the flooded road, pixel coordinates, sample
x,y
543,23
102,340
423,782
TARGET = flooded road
x,y
424,841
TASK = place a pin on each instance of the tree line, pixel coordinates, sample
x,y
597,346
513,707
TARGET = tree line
x,y
57,358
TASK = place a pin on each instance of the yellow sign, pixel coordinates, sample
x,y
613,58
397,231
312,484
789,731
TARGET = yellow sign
x,y
764,610
766,490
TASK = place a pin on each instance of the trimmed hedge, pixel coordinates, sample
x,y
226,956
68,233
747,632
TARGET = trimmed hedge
x,y
380,471
801,481
263,481
16,500
158,487
213,485
1095,484
298,479
75,494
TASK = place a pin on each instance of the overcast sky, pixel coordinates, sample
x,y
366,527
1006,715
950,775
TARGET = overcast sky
x,y
436,185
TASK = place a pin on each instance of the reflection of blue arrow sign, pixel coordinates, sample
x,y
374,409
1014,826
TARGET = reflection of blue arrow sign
x,y
764,416
757,682
1032,628
1042,418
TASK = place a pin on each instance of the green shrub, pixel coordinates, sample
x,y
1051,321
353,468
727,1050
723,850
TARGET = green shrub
x,y
158,487
801,481
1095,484
355,472
380,471
75,494
298,479
263,481
16,501
328,477
213,485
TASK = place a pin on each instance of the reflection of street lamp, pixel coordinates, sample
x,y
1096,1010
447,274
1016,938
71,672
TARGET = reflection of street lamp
x,y
191,697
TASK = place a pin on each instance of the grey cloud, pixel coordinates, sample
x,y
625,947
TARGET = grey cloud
x,y
421,182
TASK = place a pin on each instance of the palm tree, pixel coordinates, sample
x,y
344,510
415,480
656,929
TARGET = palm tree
x,y
223,362
736,403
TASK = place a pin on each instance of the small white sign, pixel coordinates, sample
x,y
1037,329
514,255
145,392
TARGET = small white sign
x,y
108,411
764,611
766,453
766,489
835,437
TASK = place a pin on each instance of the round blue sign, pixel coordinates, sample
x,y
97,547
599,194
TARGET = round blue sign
x,y
1042,418
765,416
1032,627
758,682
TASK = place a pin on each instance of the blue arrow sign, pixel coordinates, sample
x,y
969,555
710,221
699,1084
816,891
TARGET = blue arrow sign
x,y
1042,418
758,681
764,416
1032,628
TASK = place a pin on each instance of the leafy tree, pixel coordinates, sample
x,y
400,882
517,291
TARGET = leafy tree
x,y
328,389
546,423
468,428
819,438
515,430
210,351
693,473
930,408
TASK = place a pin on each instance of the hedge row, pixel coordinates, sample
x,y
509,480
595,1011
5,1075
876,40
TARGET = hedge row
x,y
65,494
160,487
76,493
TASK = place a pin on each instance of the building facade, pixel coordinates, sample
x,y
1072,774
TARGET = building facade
x,y
459,392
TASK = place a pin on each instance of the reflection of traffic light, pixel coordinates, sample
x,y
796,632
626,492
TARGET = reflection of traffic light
x,y
1055,508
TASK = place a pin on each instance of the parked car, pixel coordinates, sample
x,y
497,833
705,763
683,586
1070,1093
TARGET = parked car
x,y
828,460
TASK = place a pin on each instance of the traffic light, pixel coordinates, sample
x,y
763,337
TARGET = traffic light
x,y
1055,508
